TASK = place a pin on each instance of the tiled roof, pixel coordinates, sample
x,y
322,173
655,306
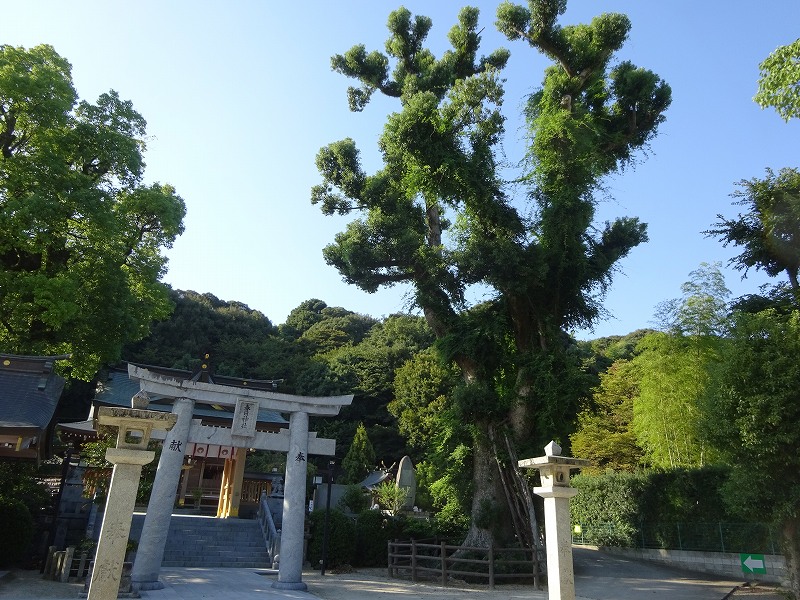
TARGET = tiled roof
x,y
29,390
118,389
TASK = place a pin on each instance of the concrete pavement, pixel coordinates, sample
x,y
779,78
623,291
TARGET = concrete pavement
x,y
598,576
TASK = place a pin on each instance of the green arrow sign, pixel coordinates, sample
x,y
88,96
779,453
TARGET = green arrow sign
x,y
753,563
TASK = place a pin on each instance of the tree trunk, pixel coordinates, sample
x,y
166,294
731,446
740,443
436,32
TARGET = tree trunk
x,y
485,483
791,550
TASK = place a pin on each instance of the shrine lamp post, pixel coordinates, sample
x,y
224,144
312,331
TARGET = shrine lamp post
x,y
130,454
554,470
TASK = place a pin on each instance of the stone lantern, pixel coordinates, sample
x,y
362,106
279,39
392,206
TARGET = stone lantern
x,y
135,426
554,471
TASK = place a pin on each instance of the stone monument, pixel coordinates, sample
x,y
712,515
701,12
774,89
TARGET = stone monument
x,y
135,426
407,480
555,489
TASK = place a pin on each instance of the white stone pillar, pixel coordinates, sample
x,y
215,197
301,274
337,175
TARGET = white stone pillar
x,y
554,470
290,570
150,551
116,527
560,573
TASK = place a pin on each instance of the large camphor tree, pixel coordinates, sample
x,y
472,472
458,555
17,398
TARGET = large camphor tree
x,y
438,216
80,234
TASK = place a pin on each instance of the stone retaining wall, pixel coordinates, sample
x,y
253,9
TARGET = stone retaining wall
x,y
717,563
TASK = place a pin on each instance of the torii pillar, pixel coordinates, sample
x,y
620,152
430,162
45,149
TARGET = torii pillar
x,y
555,489
247,402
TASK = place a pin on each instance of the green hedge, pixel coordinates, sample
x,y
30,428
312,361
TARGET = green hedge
x,y
613,507
341,539
361,541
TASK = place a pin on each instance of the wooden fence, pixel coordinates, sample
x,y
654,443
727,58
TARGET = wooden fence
x,y
443,561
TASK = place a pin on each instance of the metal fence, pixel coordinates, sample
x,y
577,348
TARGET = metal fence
x,y
705,537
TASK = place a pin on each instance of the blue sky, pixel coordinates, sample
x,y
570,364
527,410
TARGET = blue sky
x,y
239,97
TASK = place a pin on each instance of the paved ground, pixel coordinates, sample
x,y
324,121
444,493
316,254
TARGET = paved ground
x,y
597,577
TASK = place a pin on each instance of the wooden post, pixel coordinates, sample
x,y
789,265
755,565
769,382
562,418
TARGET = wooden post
x,y
444,563
491,565
224,490
413,561
237,477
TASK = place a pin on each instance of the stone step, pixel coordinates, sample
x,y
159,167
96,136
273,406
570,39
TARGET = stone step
x,y
195,541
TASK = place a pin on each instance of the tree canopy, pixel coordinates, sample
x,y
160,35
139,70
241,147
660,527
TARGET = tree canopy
x,y
753,419
439,216
779,85
81,250
769,231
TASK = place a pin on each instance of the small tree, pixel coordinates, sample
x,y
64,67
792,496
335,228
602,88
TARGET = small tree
x,y
360,459
391,496
605,435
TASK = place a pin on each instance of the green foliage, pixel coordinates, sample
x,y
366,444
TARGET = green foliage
x,y
341,539
779,85
614,498
264,461
360,459
599,354
241,342
452,521
702,310
373,532
391,497
361,541
302,318
81,251
98,477
675,369
18,480
22,497
354,499
753,412
17,526
439,156
768,233
421,389
370,367
613,507
604,434
675,377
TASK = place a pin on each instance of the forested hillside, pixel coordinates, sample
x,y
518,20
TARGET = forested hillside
x,y
319,350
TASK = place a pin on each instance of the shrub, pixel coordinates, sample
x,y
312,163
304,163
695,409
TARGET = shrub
x,y
16,528
619,508
354,499
608,507
341,539
451,522
373,532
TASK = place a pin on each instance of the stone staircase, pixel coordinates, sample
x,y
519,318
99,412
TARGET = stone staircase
x,y
200,541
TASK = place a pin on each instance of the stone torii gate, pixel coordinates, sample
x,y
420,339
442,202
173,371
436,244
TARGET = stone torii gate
x,y
242,434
